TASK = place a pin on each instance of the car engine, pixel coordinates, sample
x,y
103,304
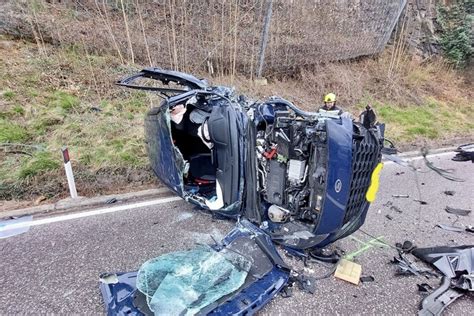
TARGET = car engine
x,y
288,150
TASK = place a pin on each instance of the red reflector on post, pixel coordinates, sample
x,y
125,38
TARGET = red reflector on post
x,y
65,154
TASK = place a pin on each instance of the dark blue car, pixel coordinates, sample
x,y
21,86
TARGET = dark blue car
x,y
299,179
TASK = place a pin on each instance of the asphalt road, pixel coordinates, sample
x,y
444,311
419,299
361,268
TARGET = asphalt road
x,y
54,268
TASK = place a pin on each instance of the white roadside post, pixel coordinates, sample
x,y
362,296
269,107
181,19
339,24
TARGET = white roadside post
x,y
69,174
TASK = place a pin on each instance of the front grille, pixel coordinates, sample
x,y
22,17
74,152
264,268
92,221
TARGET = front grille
x,y
365,156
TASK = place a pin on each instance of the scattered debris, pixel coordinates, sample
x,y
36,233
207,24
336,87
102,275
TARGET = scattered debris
x,y
424,288
421,202
365,279
325,255
457,211
451,228
406,196
111,201
389,203
405,267
348,271
15,226
399,173
470,229
450,193
464,153
445,173
396,209
109,278
389,217
457,266
304,282
437,301
406,247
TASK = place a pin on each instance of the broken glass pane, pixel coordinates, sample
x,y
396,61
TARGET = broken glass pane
x,y
182,283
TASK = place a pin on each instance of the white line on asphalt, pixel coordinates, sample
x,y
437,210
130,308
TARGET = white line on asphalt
x,y
100,211
421,157
67,217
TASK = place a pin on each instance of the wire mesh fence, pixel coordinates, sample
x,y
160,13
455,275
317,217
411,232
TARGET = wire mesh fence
x,y
218,36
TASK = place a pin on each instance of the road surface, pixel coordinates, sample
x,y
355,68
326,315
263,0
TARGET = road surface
x,y
54,267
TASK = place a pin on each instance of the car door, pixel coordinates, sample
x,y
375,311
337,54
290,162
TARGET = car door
x,y
267,276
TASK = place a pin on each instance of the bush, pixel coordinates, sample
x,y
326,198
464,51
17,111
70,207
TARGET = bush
x,y
456,24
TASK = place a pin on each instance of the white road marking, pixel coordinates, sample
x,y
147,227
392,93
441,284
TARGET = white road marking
x,y
452,153
100,211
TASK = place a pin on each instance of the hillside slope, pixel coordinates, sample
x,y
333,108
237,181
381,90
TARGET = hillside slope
x,y
66,96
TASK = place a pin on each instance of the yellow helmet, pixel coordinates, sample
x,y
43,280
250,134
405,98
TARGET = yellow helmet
x,y
330,97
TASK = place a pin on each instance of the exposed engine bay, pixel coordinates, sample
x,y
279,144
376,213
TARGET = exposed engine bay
x,y
288,149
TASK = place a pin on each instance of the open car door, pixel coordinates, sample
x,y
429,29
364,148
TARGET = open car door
x,y
196,154
265,276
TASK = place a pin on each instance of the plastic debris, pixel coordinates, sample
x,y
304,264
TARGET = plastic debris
x,y
111,201
421,202
445,173
182,283
304,282
108,278
464,153
424,288
15,226
406,247
348,271
457,211
450,193
389,217
396,209
365,279
405,267
406,196
451,228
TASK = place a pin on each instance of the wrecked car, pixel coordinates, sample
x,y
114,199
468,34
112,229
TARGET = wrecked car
x,y
301,176
291,177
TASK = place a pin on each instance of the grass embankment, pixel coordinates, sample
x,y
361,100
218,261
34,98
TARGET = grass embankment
x,y
67,97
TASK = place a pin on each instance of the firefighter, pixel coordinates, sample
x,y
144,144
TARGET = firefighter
x,y
330,104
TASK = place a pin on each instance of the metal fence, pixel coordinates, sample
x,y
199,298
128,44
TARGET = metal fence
x,y
220,36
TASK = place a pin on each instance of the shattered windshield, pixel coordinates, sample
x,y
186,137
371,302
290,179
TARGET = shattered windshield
x,y
182,283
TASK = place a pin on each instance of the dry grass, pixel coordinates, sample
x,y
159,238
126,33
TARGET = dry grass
x,y
67,97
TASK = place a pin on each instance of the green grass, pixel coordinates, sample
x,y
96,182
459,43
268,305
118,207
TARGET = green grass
x,y
431,120
40,162
63,100
10,132
47,100
8,95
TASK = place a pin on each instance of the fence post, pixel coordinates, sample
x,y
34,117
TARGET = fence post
x,y
263,42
